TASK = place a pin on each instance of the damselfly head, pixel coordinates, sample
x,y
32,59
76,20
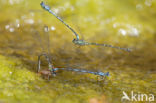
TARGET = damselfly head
x,y
44,6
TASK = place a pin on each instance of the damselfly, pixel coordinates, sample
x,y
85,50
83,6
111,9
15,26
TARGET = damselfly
x,y
53,70
77,40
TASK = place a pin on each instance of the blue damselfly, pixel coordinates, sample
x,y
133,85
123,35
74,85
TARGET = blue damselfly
x,y
77,40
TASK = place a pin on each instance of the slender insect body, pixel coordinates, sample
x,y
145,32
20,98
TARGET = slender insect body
x,y
77,41
82,43
48,73
83,71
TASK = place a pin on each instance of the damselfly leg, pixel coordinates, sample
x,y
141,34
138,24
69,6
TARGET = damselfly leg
x,y
45,54
50,65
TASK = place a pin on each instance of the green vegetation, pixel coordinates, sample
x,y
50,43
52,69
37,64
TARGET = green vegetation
x,y
124,23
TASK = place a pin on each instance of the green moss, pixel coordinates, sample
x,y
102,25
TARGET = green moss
x,y
18,84
125,23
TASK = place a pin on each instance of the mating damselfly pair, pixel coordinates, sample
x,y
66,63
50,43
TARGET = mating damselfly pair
x,y
52,70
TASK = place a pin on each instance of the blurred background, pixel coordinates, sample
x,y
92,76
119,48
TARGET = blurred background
x,y
124,23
